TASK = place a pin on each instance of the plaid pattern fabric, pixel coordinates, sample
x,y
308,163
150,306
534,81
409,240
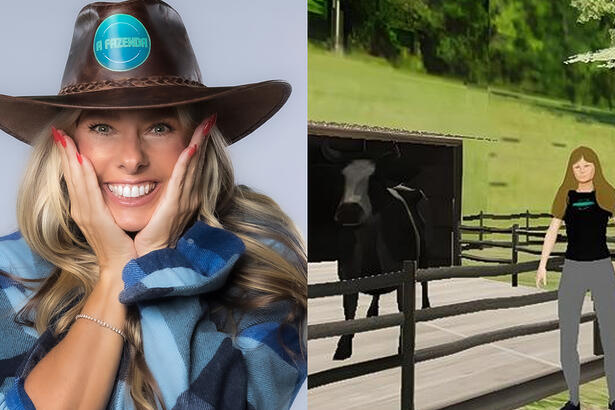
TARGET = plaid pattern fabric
x,y
195,362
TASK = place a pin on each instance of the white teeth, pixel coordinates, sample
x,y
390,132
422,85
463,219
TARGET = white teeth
x,y
131,191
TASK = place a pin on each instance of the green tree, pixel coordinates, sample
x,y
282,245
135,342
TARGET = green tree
x,y
318,7
450,35
595,10
529,42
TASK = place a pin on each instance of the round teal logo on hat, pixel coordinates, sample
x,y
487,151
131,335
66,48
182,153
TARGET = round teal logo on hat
x,y
121,43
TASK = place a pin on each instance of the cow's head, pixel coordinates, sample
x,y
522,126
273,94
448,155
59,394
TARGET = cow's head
x,y
359,196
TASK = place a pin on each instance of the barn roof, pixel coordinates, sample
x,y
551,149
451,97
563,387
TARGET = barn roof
x,y
356,131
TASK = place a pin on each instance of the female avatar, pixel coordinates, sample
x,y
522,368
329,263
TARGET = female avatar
x,y
585,201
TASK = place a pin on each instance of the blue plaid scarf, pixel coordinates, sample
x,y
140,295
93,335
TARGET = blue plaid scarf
x,y
196,364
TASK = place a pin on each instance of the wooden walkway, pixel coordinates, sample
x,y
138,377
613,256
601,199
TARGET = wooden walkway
x,y
449,379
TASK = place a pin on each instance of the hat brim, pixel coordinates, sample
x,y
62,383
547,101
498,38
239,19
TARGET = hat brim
x,y
240,109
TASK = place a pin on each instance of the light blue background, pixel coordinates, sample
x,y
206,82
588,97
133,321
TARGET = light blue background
x,y
235,41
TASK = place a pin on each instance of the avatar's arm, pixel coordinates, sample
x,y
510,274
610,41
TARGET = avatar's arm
x,y
549,242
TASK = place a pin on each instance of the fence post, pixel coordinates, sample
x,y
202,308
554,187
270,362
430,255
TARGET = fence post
x,y
527,226
515,253
408,336
480,233
597,344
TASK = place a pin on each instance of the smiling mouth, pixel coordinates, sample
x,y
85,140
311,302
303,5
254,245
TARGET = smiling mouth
x,y
126,192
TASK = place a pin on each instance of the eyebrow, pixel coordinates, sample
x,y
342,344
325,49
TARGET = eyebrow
x,y
114,115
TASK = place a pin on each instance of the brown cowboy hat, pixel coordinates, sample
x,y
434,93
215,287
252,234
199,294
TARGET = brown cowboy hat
x,y
137,54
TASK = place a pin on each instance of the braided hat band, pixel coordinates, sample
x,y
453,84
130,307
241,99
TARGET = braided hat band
x,y
129,82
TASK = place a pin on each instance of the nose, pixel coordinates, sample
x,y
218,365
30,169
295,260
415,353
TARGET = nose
x,y
349,214
132,153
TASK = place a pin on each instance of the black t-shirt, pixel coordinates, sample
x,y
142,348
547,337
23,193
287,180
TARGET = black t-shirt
x,y
585,227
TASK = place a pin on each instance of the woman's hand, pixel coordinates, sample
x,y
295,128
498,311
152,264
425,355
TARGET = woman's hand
x,y
112,246
541,275
174,209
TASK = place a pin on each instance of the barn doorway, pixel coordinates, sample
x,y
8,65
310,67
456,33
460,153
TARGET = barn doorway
x,y
425,161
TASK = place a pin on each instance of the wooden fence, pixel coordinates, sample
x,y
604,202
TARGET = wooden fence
x,y
407,319
536,231
515,244
511,397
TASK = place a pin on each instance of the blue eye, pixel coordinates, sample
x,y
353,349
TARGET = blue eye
x,y
104,128
162,128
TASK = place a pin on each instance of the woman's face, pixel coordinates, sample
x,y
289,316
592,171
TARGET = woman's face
x,y
133,153
583,170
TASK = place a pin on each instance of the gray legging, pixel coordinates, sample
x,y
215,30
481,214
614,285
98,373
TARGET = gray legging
x,y
578,276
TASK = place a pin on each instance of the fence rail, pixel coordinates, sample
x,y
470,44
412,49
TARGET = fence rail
x,y
520,394
385,280
525,214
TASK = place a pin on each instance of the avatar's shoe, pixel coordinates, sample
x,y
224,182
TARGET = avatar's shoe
x,y
570,406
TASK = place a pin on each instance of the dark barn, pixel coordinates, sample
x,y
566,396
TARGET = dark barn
x,y
428,162
377,197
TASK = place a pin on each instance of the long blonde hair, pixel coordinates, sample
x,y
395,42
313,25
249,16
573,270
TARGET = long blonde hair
x,y
605,193
43,215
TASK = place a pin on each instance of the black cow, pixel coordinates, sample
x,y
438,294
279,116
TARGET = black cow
x,y
379,228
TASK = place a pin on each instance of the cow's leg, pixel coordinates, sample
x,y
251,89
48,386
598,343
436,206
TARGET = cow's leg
x,y
373,307
425,297
344,345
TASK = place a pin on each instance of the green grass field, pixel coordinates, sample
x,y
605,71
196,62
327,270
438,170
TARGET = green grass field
x,y
366,90
593,395
516,151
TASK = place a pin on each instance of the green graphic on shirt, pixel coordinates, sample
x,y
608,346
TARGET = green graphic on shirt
x,y
584,203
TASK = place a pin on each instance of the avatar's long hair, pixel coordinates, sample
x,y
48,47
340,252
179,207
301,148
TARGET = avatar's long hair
x,y
43,214
605,193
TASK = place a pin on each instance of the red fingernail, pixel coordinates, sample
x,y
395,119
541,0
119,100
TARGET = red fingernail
x,y
209,123
191,151
79,158
61,138
54,132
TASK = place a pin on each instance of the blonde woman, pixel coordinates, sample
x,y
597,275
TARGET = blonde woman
x,y
141,275
585,201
